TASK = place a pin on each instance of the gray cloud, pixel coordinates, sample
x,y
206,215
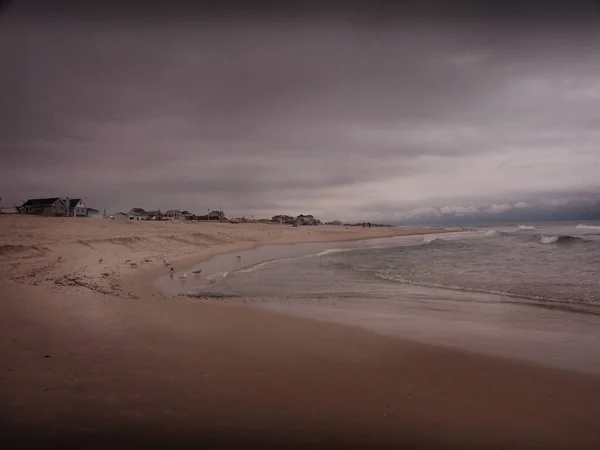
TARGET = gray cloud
x,y
349,113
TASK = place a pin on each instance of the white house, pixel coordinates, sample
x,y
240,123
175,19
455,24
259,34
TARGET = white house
x,y
172,214
137,214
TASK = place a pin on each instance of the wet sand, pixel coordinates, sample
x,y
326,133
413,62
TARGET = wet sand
x,y
103,361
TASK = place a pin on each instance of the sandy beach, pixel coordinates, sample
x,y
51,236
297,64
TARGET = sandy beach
x,y
94,356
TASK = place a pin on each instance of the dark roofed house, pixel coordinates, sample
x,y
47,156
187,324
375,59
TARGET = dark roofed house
x,y
137,214
154,215
186,215
53,206
216,215
77,208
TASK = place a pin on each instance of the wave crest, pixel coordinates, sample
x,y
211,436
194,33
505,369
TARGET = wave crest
x,y
525,227
494,233
560,239
588,227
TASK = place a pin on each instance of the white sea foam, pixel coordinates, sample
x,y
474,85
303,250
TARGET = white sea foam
x,y
561,238
332,250
492,233
525,227
588,227
217,276
255,267
549,239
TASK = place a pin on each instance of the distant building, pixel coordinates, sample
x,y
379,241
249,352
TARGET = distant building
x,y
172,214
216,215
10,210
93,213
137,214
119,216
53,206
77,208
307,220
283,218
154,215
186,215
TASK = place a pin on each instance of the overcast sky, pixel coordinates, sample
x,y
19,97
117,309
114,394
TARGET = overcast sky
x,y
359,112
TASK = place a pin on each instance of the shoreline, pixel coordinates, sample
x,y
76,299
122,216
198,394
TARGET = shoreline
x,y
418,309
268,253
109,359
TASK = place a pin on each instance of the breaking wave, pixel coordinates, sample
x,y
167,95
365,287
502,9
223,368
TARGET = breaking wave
x,y
588,227
560,239
525,227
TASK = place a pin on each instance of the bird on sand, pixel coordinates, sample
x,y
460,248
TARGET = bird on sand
x,y
183,275
197,272
100,260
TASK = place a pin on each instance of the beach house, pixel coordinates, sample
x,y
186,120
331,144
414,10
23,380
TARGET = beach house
x,y
52,206
137,214
172,214
142,214
186,215
154,215
77,208
216,215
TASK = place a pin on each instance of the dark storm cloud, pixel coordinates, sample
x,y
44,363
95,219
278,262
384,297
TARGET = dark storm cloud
x,y
343,109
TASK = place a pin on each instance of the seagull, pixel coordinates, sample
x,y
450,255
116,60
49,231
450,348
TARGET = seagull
x,y
100,260
183,275
197,272
238,257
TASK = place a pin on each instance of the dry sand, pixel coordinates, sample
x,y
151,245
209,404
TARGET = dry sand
x,y
92,356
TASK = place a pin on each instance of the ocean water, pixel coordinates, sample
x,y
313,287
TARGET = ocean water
x,y
528,291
